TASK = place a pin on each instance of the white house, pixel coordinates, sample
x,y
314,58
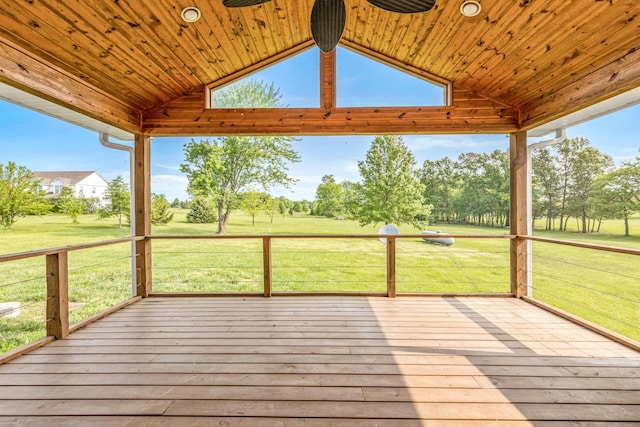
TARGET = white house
x,y
87,184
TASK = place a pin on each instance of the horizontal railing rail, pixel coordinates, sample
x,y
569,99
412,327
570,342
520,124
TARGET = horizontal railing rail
x,y
378,265
51,295
69,248
598,291
388,262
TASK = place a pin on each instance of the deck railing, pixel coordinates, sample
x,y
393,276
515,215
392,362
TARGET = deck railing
x,y
372,264
49,293
597,285
272,265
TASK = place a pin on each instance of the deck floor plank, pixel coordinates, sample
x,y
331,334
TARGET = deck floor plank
x,y
326,361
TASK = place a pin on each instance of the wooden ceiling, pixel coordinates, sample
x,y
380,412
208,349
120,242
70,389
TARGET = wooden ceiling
x,y
136,65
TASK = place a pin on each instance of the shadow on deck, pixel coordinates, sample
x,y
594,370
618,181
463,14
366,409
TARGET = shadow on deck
x,y
325,361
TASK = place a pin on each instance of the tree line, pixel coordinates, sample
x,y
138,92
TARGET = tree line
x,y
570,180
575,180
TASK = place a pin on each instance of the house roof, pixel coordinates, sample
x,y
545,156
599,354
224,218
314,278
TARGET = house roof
x,y
137,66
66,177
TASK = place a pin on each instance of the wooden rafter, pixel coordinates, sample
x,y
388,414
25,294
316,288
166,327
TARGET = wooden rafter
x,y
35,76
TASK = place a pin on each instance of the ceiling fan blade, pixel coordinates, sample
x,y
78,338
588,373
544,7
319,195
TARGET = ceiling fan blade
x,y
404,6
328,19
242,3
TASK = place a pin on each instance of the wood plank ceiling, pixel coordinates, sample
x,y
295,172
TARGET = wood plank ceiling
x,y
136,65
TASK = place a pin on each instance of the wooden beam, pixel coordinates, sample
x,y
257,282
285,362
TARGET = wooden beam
x,y
328,80
58,295
470,113
141,186
39,78
518,212
617,77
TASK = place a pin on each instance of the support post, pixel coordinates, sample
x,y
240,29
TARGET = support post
x,y
142,188
58,295
518,212
391,267
328,80
266,262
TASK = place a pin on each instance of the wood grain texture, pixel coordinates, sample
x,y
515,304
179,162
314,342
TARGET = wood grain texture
x,y
326,361
118,61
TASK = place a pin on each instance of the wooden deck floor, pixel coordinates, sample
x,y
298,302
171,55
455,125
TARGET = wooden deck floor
x,y
321,361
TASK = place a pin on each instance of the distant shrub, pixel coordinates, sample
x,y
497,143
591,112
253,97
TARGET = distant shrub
x,y
202,211
160,210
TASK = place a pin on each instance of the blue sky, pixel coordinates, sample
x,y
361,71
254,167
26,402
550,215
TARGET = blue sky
x,y
42,143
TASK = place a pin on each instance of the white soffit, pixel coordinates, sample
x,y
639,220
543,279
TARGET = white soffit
x,y
32,102
603,108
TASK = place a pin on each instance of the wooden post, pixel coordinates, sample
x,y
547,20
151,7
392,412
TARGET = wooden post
x,y
328,80
391,267
518,212
142,188
266,262
58,295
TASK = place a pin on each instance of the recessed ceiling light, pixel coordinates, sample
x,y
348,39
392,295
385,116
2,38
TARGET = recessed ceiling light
x,y
190,14
470,8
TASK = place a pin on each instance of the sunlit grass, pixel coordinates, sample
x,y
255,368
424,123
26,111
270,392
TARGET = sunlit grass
x,y
599,286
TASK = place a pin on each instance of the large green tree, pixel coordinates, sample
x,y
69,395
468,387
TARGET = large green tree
x,y
588,164
119,201
19,193
329,198
440,186
546,184
227,166
617,193
391,192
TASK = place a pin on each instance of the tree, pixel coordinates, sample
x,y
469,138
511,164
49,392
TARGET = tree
x,y
176,203
588,164
202,210
271,207
619,193
252,204
546,184
438,178
70,205
19,194
329,198
352,201
223,168
117,195
160,210
391,191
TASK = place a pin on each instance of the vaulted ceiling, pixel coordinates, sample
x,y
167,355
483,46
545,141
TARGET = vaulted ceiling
x,y
137,65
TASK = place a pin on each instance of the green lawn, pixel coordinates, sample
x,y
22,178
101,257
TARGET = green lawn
x,y
589,283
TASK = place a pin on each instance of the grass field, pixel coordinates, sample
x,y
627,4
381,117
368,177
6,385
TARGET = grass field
x,y
602,287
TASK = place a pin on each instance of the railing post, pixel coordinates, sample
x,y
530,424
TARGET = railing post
x,y
58,295
266,263
391,267
142,190
518,212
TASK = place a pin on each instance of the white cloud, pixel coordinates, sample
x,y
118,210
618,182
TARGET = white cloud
x,y
168,167
171,186
455,142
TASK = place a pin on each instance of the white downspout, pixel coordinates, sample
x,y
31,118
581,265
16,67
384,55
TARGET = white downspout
x,y
561,134
104,140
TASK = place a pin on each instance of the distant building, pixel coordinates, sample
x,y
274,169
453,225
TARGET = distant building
x,y
87,184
